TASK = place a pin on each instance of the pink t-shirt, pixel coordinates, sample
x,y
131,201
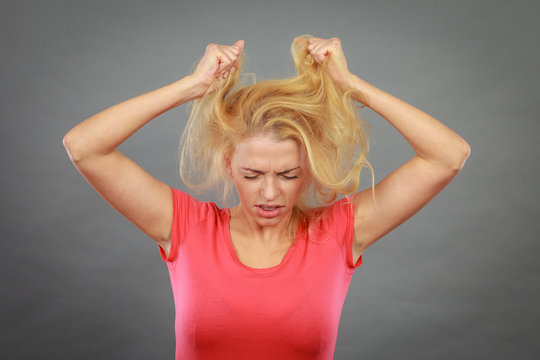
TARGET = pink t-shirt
x,y
227,310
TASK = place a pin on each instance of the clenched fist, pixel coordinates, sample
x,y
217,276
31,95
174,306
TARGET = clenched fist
x,y
217,63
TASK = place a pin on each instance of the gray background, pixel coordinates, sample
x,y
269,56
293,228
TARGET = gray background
x,y
458,281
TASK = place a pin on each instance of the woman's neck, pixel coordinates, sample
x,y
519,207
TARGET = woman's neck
x,y
242,225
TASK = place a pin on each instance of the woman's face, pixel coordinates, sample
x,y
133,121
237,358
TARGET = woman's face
x,y
269,175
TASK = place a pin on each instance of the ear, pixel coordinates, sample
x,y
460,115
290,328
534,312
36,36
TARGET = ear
x,y
227,161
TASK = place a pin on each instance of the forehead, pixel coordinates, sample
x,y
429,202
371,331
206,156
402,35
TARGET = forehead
x,y
266,152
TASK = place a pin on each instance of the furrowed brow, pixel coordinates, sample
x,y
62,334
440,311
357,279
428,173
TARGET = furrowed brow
x,y
286,171
262,172
253,170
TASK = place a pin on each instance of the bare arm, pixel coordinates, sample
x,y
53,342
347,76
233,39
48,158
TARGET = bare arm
x,y
102,133
92,144
128,188
429,138
440,153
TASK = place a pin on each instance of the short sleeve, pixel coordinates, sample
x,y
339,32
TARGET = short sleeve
x,y
186,212
339,220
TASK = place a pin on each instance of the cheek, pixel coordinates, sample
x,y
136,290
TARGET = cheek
x,y
293,189
246,188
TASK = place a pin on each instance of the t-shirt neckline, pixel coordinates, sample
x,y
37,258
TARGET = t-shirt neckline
x,y
235,258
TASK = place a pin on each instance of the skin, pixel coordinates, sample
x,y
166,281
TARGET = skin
x,y
440,154
265,171
92,144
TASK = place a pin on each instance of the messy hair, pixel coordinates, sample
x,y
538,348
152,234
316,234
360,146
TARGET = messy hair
x,y
309,108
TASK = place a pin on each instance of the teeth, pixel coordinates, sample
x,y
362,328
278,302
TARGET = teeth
x,y
268,208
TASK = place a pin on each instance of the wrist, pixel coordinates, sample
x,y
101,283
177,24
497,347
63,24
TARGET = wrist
x,y
348,81
358,85
190,87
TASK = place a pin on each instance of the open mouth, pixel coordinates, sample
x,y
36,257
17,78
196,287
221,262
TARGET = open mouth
x,y
269,207
269,211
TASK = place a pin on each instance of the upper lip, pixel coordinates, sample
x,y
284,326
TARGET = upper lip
x,y
270,205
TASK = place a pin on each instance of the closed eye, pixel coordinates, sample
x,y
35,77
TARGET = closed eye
x,y
284,176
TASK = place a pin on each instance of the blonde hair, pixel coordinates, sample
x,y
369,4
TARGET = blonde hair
x,y
309,107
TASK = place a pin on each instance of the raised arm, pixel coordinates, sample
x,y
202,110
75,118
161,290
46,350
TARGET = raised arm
x,y
440,154
92,144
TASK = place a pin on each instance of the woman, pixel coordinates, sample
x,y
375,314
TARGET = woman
x,y
266,279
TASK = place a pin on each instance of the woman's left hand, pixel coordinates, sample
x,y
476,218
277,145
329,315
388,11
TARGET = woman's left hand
x,y
330,50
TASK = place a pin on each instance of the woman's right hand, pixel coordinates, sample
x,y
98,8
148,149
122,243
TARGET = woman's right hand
x,y
217,63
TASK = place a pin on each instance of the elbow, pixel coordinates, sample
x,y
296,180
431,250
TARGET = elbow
x,y
466,152
66,141
461,156
455,158
69,145
79,148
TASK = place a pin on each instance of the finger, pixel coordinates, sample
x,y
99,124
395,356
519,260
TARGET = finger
x,y
321,56
224,62
232,53
222,53
239,45
225,67
312,41
232,50
222,76
300,41
317,48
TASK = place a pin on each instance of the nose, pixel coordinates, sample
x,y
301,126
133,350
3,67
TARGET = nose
x,y
270,188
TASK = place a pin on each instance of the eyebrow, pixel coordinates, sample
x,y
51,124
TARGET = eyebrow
x,y
279,173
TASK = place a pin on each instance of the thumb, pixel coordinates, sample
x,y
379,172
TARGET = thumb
x,y
239,44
